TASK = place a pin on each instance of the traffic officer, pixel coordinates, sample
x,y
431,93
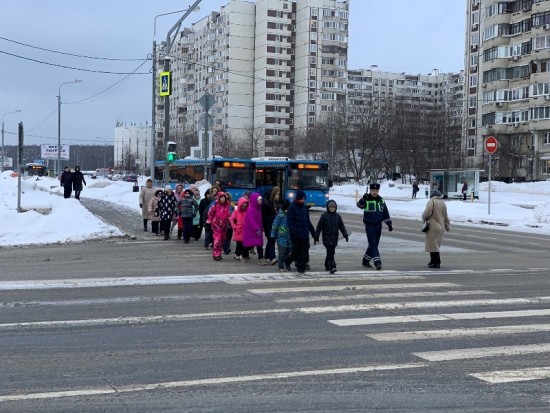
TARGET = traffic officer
x,y
375,212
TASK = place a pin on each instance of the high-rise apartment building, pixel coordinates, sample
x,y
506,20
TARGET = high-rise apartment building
x,y
274,68
507,93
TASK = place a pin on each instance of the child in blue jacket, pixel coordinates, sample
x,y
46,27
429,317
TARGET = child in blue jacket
x,y
279,231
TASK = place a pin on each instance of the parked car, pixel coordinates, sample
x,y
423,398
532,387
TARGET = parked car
x,y
130,178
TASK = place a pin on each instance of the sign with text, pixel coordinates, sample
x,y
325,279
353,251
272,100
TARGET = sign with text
x,y
50,152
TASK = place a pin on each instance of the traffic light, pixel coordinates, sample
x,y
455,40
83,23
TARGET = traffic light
x,y
171,151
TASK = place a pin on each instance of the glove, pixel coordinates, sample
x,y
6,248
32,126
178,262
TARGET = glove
x,y
390,227
316,240
365,197
207,226
141,205
347,239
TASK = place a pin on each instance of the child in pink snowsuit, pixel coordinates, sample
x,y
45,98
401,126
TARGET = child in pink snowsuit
x,y
218,219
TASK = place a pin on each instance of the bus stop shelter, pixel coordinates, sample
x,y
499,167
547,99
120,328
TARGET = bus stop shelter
x,y
450,181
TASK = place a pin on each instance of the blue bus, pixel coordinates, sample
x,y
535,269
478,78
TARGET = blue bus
x,y
291,175
236,175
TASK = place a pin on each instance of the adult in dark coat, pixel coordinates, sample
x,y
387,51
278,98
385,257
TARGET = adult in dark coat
x,y
78,180
167,209
375,212
203,209
67,182
299,228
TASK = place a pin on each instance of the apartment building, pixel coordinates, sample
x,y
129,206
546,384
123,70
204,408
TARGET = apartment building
x,y
273,67
507,94
429,92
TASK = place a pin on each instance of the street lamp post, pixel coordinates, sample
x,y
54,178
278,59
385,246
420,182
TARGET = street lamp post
x,y
59,124
194,7
3,115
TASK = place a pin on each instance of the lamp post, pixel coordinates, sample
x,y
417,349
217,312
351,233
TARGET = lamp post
x,y
194,7
166,47
4,115
59,124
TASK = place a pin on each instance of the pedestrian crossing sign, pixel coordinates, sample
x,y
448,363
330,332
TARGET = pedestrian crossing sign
x,y
164,84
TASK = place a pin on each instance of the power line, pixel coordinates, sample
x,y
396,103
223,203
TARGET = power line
x,y
68,54
73,68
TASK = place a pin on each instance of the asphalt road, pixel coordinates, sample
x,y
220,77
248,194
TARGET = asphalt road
x,y
139,324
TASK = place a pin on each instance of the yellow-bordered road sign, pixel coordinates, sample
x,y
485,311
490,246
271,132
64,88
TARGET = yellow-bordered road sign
x,y
164,84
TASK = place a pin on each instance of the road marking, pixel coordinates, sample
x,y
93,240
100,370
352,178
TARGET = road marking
x,y
206,382
348,287
381,295
481,352
509,376
425,304
245,278
417,318
460,332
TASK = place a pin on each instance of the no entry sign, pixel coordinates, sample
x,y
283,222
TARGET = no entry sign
x,y
491,144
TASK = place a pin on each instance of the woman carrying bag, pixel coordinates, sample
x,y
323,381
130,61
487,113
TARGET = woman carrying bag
x,y
436,214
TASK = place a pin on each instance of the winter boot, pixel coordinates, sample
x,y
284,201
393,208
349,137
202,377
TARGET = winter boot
x,y
180,232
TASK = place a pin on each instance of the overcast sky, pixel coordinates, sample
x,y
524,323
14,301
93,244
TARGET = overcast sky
x,y
413,36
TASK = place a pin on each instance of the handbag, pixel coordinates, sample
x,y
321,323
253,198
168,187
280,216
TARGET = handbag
x,y
426,224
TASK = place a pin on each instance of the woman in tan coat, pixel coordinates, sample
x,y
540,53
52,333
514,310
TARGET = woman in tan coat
x,y
153,211
436,214
145,196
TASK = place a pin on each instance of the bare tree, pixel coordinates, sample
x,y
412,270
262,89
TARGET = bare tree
x,y
127,160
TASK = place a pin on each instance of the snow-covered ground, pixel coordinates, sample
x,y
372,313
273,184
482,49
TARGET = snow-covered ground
x,y
53,219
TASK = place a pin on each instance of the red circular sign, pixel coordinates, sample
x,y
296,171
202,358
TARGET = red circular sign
x,y
491,144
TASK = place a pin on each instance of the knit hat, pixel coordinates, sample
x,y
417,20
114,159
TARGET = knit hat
x,y
167,188
331,203
188,191
435,192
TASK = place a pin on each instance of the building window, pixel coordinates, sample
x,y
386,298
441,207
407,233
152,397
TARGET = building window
x,y
545,166
546,140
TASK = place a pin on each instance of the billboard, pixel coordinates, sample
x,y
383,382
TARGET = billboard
x,y
50,152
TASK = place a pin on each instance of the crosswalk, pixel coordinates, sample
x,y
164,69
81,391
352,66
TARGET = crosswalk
x,y
442,304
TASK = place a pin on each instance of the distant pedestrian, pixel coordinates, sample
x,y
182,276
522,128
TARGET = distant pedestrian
x,y
415,189
66,181
153,213
279,232
237,223
187,207
270,208
375,212
203,210
464,189
329,225
197,227
436,214
178,193
218,220
299,227
78,180
167,210
253,234
145,195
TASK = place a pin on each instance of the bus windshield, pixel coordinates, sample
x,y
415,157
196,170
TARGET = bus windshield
x,y
308,179
236,177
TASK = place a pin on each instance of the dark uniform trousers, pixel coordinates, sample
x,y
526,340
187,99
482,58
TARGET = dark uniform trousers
x,y
374,231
